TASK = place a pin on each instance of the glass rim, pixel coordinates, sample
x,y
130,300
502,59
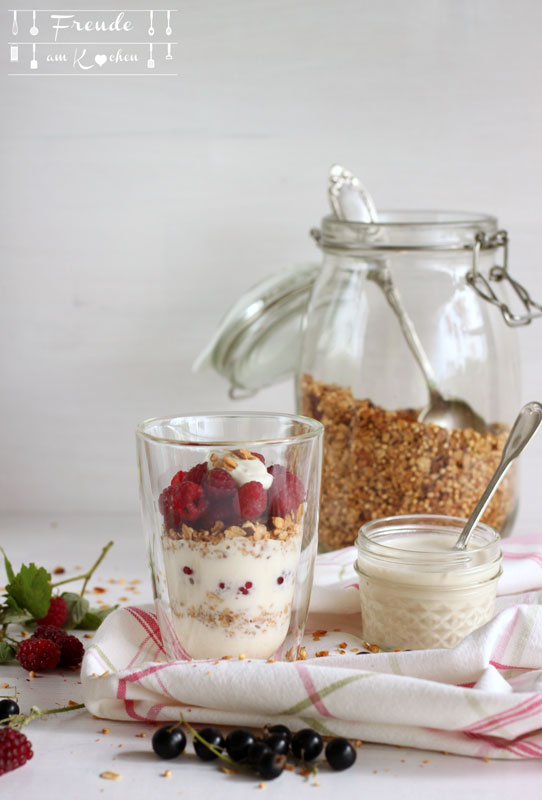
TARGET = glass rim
x,y
314,429
419,523
406,217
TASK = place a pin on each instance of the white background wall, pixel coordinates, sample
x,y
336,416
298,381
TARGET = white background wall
x,y
134,211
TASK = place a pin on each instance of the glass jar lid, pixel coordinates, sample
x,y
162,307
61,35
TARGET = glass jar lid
x,y
258,342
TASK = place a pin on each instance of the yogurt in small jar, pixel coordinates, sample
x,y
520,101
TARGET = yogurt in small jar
x,y
416,591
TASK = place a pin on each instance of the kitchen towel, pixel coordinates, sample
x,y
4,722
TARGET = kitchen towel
x,y
482,698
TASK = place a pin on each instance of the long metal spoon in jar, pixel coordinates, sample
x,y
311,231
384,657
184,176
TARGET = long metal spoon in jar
x,y
351,202
526,424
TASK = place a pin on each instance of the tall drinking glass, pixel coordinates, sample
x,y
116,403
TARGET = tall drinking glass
x,y
229,504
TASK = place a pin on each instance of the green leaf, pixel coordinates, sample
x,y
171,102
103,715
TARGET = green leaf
x,y
76,607
7,652
13,615
7,565
94,618
31,589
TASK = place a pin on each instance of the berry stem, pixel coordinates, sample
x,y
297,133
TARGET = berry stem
x,y
207,744
20,720
86,575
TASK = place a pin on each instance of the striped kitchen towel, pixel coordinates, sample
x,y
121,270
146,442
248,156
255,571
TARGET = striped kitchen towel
x,y
483,698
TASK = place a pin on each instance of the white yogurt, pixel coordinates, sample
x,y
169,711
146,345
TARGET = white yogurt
x,y
247,469
416,591
231,598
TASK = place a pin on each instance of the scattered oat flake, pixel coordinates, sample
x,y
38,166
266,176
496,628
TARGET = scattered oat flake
x,y
73,703
104,674
225,658
355,649
141,735
343,645
270,660
289,767
403,761
121,580
89,636
97,740
342,652
322,653
358,742
242,656
31,674
110,776
124,599
59,571
166,774
5,686
261,785
99,590
426,761
228,770
105,730
136,580
486,760
316,783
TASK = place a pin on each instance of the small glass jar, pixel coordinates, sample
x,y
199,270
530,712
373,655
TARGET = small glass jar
x,y
229,506
416,591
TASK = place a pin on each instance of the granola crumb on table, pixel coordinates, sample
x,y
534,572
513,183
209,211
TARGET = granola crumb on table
x,y
380,463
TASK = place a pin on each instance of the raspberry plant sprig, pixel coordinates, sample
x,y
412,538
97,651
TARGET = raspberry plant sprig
x,y
29,599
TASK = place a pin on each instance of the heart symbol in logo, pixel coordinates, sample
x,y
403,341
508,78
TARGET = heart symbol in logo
x,y
100,60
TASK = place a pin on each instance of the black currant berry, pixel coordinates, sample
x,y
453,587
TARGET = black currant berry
x,y
307,744
278,743
340,754
256,751
214,737
168,742
238,743
282,729
271,765
7,708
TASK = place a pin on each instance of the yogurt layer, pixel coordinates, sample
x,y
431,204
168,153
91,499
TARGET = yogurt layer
x,y
231,597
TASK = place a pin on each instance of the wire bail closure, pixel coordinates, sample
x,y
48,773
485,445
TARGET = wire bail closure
x,y
483,288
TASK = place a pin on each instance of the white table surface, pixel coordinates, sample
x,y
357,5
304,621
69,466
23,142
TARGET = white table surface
x,y
70,751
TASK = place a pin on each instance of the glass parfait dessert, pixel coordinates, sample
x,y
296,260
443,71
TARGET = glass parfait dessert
x,y
230,509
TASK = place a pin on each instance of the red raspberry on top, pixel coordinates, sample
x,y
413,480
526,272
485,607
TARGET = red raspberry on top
x,y
15,750
36,654
259,455
252,499
178,477
195,475
286,492
56,614
188,502
218,485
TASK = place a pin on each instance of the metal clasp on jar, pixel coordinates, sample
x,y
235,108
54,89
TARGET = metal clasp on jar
x,y
482,286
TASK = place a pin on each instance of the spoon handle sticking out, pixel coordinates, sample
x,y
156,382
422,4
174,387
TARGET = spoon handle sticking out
x,y
525,426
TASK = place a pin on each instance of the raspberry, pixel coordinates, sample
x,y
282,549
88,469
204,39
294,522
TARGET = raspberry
x,y
35,654
218,485
259,455
15,749
227,511
188,502
252,499
286,492
56,615
195,475
178,478
71,649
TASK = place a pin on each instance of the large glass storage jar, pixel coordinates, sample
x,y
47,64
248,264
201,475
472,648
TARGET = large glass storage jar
x,y
360,379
